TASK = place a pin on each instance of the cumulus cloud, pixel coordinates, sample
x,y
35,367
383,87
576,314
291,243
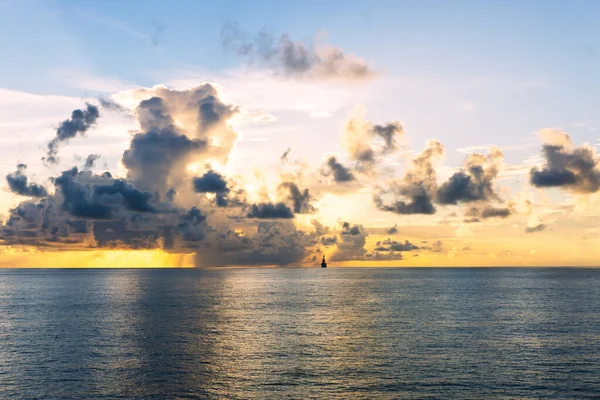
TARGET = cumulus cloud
x,y
18,183
210,182
389,245
366,141
473,214
177,127
152,207
475,181
393,230
270,211
86,195
79,123
295,58
328,240
351,243
272,243
573,168
300,199
337,171
414,193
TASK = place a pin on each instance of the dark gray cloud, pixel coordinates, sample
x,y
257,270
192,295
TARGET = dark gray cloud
x,y
328,240
192,225
393,230
419,203
270,211
285,154
90,161
18,183
210,182
85,195
159,153
475,182
151,156
108,104
576,169
388,133
294,58
414,193
79,123
77,199
171,194
213,182
389,245
495,212
272,243
133,199
338,171
300,199
474,214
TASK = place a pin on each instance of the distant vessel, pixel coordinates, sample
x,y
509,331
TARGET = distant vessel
x,y
323,263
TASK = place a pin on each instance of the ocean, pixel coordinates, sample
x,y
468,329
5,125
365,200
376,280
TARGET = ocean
x,y
364,333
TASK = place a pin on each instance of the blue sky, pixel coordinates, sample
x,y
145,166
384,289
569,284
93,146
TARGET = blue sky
x,y
454,38
471,50
548,44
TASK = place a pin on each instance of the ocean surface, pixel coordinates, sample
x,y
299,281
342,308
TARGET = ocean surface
x,y
300,334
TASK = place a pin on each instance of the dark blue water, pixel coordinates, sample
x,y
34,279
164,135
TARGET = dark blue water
x,y
277,333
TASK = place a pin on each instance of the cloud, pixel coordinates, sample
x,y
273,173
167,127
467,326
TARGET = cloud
x,y
79,123
111,105
487,211
177,127
366,141
270,211
153,207
437,247
351,243
272,243
18,183
339,172
573,168
414,193
300,199
389,245
328,240
210,182
285,155
86,195
90,161
295,58
475,181
393,230
536,228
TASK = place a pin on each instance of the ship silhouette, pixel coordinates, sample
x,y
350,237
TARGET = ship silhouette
x,y
323,263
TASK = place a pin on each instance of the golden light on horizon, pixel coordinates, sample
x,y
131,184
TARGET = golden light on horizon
x,y
157,258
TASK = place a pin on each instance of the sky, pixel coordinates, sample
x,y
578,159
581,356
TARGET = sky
x,y
375,133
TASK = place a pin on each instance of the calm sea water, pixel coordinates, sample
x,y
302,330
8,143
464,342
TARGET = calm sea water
x,y
300,334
